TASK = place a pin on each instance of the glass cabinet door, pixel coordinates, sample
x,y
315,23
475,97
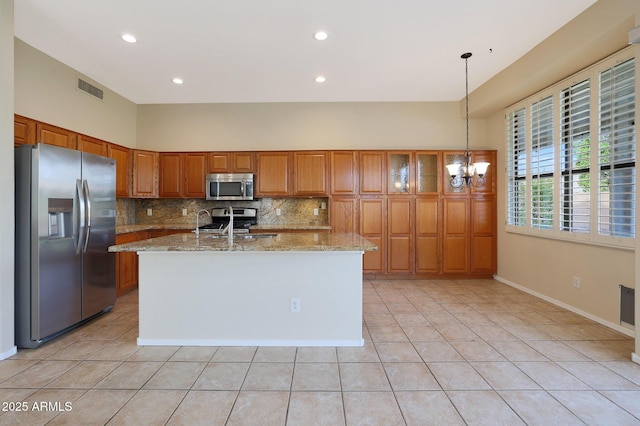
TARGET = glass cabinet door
x,y
399,173
427,172
453,158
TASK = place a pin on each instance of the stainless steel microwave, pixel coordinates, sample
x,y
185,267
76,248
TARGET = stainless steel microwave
x,y
229,186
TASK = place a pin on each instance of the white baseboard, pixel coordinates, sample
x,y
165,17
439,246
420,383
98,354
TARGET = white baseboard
x,y
218,342
635,358
10,352
617,327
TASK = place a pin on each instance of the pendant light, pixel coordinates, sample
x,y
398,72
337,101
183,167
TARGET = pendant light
x,y
471,174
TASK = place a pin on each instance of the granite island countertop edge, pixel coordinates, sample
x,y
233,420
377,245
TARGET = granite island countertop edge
x,y
310,241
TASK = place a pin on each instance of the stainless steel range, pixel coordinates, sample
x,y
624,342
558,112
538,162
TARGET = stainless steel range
x,y
243,219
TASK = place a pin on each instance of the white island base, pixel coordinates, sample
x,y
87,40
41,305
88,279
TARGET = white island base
x,y
243,298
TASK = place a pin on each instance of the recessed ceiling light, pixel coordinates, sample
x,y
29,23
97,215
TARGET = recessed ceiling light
x,y
320,79
178,80
321,35
129,38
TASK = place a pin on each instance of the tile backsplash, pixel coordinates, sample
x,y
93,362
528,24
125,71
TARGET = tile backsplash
x,y
294,211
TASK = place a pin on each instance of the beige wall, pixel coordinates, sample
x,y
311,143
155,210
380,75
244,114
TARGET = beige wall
x,y
7,346
600,31
46,90
291,126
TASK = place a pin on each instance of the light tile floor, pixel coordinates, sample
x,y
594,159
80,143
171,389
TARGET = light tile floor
x,y
436,352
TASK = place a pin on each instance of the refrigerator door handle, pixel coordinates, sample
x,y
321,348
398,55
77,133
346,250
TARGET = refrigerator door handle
x,y
87,201
81,216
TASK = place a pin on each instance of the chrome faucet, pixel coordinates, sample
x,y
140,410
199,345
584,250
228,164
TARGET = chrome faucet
x,y
198,222
229,229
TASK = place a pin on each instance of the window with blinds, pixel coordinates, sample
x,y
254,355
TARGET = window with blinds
x,y
575,149
617,151
571,157
542,164
516,168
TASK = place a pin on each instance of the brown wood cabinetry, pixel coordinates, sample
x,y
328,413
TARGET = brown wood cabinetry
x,y
344,173
24,130
372,227
428,218
272,178
310,173
127,263
483,235
400,238
57,136
195,171
455,235
182,174
231,162
372,172
343,215
122,156
145,174
92,145
170,175
400,176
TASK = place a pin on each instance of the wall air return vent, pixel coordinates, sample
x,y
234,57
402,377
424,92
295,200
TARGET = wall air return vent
x,y
90,89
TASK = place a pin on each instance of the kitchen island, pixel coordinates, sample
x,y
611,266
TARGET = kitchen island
x,y
298,289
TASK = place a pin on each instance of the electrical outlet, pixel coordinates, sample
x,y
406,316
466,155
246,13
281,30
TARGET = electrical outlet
x,y
278,212
149,212
315,212
295,304
323,205
184,212
576,282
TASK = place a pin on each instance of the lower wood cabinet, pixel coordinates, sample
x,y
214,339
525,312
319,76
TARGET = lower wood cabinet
x,y
427,226
127,263
372,228
343,215
400,236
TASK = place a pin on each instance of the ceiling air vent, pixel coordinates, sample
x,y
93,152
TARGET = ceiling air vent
x,y
90,89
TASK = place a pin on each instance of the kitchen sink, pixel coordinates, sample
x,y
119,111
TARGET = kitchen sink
x,y
242,236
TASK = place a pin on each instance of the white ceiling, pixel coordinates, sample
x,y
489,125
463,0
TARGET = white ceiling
x,y
264,51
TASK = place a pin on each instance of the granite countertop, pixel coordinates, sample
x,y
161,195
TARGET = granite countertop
x,y
281,242
125,229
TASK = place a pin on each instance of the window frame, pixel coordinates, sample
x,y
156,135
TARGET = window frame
x,y
593,235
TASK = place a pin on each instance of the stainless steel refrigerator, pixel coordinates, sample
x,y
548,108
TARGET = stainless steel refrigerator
x,y
65,222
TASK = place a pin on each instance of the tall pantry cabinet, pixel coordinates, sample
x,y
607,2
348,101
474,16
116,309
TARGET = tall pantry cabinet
x,y
403,202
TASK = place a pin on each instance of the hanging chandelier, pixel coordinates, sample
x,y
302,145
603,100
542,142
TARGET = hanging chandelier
x,y
469,173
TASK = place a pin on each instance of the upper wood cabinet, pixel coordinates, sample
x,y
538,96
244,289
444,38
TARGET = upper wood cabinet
x,y
400,173
57,136
310,173
92,145
24,130
170,175
194,170
231,162
146,165
272,178
427,167
122,156
372,172
344,173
